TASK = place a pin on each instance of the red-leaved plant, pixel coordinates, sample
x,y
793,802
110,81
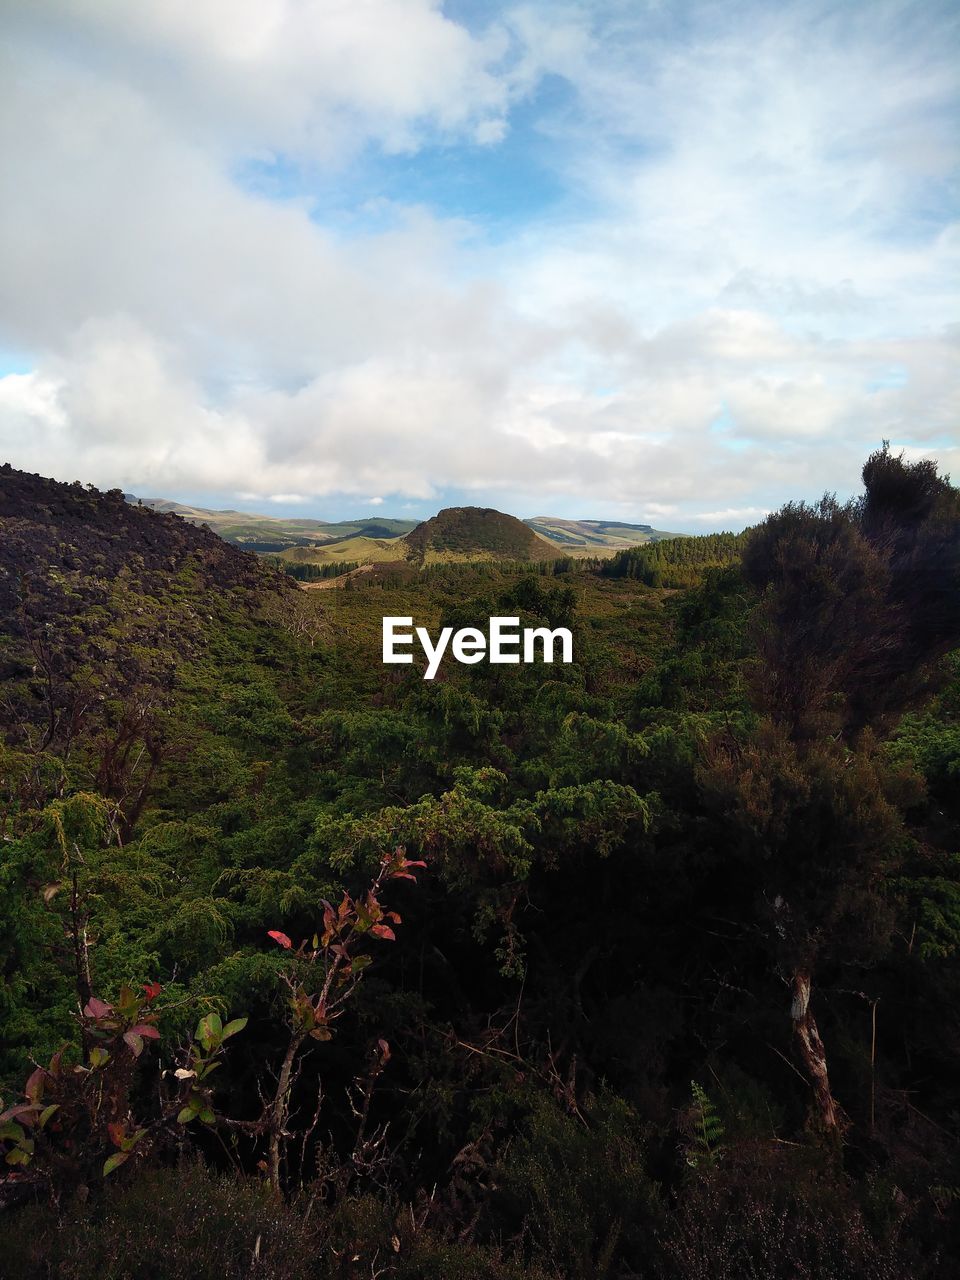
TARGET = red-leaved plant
x,y
323,974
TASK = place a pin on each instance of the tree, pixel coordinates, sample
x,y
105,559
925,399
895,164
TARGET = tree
x,y
857,603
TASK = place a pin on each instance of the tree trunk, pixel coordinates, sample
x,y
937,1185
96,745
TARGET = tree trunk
x,y
812,1053
280,1110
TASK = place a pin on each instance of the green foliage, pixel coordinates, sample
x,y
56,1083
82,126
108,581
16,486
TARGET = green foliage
x,y
706,1130
676,562
580,1183
182,1224
742,776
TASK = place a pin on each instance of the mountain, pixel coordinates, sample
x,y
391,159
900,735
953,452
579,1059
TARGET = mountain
x,y
594,537
380,539
462,533
276,534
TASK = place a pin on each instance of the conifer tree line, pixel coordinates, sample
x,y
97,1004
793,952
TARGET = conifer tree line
x,y
676,562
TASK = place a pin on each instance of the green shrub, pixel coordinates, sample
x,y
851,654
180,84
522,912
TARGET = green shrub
x,y
169,1224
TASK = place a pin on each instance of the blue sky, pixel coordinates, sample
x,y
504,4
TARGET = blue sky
x,y
666,262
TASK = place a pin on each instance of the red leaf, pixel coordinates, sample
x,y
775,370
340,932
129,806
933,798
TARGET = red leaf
x,y
144,1029
383,931
95,1008
280,938
152,989
34,1086
19,1112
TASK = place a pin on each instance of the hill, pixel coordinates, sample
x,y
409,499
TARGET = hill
x,y
362,549
275,534
475,533
380,539
594,537
105,609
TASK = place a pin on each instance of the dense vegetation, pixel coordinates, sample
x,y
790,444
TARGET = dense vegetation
x,y
674,994
316,572
677,562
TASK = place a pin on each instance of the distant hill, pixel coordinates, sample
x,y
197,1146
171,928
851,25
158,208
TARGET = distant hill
x,y
276,534
464,533
594,537
456,533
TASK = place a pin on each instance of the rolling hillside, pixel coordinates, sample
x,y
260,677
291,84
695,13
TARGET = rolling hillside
x,y
456,533
274,534
594,537
360,548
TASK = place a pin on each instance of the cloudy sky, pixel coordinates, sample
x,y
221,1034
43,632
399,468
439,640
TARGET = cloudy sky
x,y
667,260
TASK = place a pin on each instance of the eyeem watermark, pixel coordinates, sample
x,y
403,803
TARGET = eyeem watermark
x,y
505,643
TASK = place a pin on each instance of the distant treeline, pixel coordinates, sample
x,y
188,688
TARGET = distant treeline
x,y
316,572
676,562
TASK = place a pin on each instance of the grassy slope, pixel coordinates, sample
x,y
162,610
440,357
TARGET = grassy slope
x,y
363,550
594,537
242,527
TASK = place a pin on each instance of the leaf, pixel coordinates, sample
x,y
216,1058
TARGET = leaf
x,y
99,1057
127,1001
114,1162
145,1031
281,938
95,1008
210,1031
34,1086
47,1112
233,1027
152,989
207,1116
183,1074
383,931
134,1043
187,1114
117,1133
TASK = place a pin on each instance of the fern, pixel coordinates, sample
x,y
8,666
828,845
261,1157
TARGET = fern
x,y
707,1130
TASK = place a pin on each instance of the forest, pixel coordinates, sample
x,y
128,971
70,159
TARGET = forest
x,y
641,967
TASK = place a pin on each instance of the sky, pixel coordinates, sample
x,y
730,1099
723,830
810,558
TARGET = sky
x,y
672,261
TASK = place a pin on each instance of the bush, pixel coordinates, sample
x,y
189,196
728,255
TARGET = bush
x,y
170,1224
